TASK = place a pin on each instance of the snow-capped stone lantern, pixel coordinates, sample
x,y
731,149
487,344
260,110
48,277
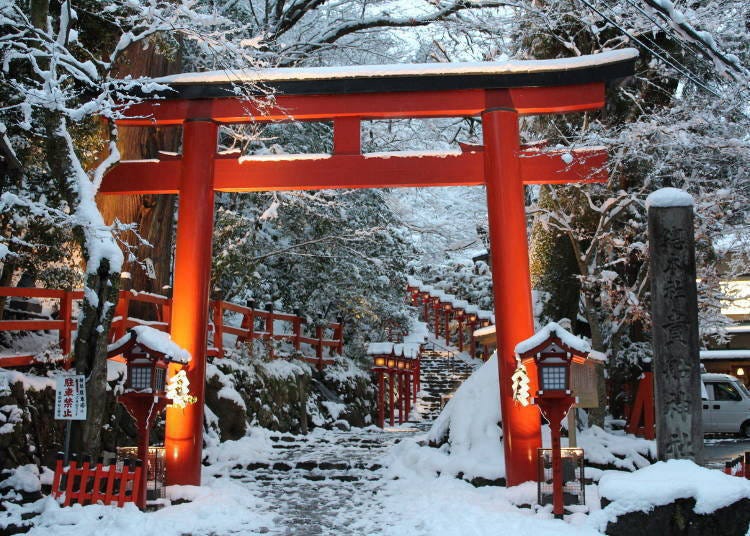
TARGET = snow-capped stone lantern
x,y
147,353
553,349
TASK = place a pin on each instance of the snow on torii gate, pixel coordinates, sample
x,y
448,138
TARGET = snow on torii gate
x,y
499,92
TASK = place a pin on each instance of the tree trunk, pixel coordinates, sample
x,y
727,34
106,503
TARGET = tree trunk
x,y
154,214
91,356
101,288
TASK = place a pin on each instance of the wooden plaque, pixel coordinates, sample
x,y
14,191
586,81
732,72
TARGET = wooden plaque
x,y
583,383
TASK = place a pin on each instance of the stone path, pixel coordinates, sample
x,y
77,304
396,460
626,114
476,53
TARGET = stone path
x,y
324,483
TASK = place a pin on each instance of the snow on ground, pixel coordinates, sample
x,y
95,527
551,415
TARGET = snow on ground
x,y
220,506
369,481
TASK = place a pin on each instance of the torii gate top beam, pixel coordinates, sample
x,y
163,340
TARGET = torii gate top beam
x,y
385,91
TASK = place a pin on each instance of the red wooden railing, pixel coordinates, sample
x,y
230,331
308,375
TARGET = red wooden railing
x,y
87,484
262,324
450,318
322,341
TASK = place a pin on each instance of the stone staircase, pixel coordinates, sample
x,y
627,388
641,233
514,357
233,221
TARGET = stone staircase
x,y
441,374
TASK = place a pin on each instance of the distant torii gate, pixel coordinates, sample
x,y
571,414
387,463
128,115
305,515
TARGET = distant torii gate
x,y
499,92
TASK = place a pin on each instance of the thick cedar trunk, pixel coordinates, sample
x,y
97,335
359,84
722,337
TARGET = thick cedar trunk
x,y
153,214
97,309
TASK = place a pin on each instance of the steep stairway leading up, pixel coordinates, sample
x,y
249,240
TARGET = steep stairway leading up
x,y
442,372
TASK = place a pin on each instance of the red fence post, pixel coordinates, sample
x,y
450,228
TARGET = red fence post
x,y
219,326
112,475
99,474
121,310
401,405
447,319
407,392
319,346
391,401
66,334
270,330
84,496
460,319
381,399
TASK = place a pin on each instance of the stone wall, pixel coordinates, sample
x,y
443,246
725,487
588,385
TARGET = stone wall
x,y
284,396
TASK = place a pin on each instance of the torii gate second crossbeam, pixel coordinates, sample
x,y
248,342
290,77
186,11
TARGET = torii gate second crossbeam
x,y
498,92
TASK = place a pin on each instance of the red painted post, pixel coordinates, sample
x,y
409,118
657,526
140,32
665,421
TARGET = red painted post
x,y
381,399
460,320
436,311
319,346
407,392
184,430
123,311
556,414
112,474
270,330
447,318
401,397
418,383
511,284
391,401
66,335
219,327
72,473
96,489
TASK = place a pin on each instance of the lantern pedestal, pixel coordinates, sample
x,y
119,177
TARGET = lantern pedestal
x,y
554,410
144,408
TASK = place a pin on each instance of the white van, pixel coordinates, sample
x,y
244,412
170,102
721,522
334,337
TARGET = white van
x,y
726,405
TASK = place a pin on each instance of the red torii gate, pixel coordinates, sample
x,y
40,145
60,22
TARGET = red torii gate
x,y
499,92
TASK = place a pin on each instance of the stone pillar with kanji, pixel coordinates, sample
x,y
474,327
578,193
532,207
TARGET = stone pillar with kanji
x,y
674,313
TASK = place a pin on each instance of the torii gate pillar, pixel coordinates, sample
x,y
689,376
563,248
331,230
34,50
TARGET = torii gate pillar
x,y
195,222
511,284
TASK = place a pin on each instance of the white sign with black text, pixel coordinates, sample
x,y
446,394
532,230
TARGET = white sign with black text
x,y
70,398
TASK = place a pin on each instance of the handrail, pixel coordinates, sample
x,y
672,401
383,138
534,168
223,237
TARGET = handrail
x,y
449,317
327,336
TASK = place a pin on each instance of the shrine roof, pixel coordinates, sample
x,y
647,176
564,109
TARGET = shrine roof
x,y
405,77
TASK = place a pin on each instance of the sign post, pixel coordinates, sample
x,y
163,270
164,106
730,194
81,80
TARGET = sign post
x,y
70,403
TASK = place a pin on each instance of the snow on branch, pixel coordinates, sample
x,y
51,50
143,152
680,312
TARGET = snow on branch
x,y
723,60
